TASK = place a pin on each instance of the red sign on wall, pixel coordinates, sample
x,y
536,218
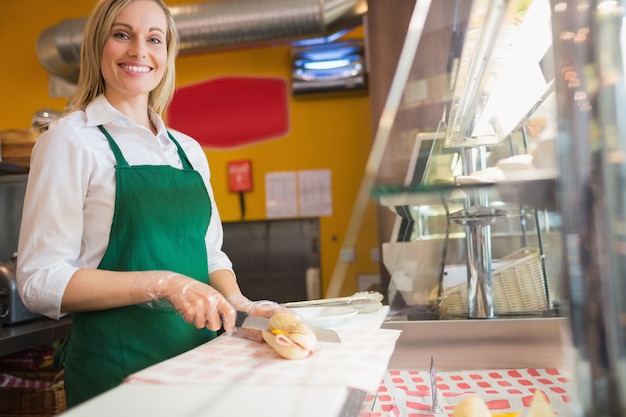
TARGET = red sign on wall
x,y
240,176
232,111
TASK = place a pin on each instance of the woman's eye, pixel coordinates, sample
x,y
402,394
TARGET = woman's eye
x,y
155,39
120,35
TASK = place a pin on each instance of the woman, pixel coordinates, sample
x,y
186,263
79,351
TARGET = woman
x,y
119,224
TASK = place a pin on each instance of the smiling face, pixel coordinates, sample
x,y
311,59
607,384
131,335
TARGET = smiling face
x,y
135,53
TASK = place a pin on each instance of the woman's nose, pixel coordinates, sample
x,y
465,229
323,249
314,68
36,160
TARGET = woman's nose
x,y
137,48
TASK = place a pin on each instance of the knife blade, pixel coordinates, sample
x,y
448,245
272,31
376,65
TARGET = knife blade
x,y
262,323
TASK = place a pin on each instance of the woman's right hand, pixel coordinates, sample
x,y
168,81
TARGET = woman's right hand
x,y
196,302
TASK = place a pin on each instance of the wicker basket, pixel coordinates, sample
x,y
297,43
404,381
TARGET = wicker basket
x,y
518,287
33,402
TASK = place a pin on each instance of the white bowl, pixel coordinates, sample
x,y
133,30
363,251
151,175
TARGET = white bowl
x,y
324,316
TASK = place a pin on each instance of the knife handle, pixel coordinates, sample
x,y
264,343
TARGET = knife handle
x,y
241,316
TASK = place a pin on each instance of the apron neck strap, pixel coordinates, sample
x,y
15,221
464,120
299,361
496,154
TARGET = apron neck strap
x,y
121,161
181,153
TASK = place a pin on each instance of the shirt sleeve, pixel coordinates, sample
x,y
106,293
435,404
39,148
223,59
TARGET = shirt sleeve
x,y
52,221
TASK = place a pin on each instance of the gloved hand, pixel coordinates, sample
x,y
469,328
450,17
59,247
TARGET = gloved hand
x,y
196,302
263,308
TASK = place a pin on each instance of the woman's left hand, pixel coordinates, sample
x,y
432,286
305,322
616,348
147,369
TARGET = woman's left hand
x,y
262,308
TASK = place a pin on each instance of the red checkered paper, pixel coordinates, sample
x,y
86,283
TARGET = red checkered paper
x,y
505,390
12,381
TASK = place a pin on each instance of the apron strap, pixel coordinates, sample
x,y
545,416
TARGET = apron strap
x,y
181,153
121,161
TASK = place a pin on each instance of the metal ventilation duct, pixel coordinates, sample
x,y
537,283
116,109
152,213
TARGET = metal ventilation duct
x,y
217,25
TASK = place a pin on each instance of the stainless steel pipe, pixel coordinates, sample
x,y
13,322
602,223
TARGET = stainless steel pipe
x,y
477,218
217,25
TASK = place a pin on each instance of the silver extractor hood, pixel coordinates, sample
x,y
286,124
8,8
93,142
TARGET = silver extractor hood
x,y
217,25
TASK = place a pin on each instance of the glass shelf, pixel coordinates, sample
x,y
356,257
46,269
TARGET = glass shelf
x,y
538,193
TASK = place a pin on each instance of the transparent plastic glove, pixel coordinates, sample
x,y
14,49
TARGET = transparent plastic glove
x,y
262,308
196,302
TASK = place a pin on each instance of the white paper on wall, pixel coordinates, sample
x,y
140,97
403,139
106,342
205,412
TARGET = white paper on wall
x,y
315,193
281,194
305,193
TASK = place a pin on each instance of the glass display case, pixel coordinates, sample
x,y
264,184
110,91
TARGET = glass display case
x,y
500,173
477,229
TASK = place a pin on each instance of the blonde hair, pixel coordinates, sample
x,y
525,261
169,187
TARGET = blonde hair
x,y
97,32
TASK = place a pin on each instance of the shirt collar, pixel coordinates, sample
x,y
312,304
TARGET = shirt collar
x,y
100,112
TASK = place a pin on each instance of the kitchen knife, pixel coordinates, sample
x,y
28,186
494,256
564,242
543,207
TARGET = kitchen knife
x,y
262,323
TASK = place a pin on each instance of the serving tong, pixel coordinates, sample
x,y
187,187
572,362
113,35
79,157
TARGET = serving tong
x,y
364,302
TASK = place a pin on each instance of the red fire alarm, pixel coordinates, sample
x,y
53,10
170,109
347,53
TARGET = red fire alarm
x,y
240,181
240,176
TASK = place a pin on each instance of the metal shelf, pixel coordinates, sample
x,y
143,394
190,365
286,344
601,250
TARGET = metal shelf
x,y
21,336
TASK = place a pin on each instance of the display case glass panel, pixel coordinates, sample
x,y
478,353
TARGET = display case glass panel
x,y
486,189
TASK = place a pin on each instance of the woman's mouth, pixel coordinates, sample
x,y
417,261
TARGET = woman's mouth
x,y
136,68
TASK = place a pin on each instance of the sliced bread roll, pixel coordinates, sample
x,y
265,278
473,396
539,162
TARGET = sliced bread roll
x,y
290,337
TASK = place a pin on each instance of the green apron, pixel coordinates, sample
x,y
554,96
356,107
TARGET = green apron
x,y
160,221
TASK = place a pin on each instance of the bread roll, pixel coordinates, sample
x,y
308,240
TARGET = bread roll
x,y
471,406
290,337
540,407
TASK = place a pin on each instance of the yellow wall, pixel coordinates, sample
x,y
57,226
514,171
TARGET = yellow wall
x,y
328,132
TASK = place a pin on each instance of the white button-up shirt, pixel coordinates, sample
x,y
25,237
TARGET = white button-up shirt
x,y
70,198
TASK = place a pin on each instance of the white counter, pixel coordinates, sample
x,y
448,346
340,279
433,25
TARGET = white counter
x,y
194,400
259,394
